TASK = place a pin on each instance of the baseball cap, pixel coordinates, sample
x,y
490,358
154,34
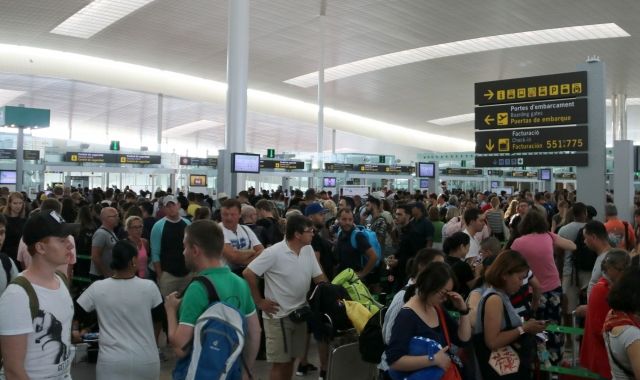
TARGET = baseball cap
x,y
43,225
169,198
314,208
222,196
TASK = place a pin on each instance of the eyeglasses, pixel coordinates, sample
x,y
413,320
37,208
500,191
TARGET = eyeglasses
x,y
313,231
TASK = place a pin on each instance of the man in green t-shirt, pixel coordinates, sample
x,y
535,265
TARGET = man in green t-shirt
x,y
203,243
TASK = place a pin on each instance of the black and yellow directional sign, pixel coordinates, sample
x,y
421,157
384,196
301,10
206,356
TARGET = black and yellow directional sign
x,y
532,114
280,164
112,158
330,166
563,159
529,140
555,86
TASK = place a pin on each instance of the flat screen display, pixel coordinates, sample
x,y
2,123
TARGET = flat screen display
x,y
544,174
426,169
494,184
245,163
198,180
329,182
424,183
7,177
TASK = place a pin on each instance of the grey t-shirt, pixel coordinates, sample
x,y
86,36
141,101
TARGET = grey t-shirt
x,y
570,232
104,239
596,273
124,314
618,348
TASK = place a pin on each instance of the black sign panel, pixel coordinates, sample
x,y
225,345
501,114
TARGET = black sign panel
x,y
195,161
529,140
564,175
555,86
338,167
521,173
532,114
288,165
375,168
563,159
461,171
494,172
112,158
10,154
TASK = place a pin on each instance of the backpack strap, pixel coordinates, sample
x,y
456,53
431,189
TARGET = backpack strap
x,y
34,305
626,236
7,265
212,294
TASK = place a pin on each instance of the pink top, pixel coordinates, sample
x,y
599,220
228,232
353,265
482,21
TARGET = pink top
x,y
537,249
143,258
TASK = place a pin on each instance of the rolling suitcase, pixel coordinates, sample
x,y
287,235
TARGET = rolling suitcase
x,y
345,362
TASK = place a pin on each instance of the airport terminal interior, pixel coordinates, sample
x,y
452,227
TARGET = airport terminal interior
x,y
351,98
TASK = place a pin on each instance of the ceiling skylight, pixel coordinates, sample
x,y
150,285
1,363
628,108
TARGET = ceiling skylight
x,y
475,45
189,128
453,119
7,96
96,16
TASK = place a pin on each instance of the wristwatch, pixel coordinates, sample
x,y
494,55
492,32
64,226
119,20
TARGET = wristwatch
x,y
520,330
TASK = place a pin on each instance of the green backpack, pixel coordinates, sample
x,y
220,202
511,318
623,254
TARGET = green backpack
x,y
357,290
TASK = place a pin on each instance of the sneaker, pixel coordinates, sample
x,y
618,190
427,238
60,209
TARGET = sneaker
x,y
303,369
323,375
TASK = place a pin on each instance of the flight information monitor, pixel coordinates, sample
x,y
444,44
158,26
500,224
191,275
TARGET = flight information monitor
x,y
426,169
245,163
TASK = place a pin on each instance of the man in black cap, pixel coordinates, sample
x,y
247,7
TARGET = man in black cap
x,y
36,309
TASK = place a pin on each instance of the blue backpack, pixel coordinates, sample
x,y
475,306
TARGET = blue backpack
x,y
218,342
373,241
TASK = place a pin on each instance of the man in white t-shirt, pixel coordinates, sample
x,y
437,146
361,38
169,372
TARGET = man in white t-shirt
x,y
474,221
241,245
36,344
288,268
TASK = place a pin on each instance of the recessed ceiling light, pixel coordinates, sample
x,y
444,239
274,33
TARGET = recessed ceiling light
x,y
475,45
453,119
96,16
189,128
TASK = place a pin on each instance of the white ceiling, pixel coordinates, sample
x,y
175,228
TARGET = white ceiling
x,y
190,36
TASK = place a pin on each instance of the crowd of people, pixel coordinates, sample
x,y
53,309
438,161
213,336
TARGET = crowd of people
x,y
481,275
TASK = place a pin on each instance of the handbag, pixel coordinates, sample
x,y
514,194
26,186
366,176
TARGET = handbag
x,y
300,315
452,373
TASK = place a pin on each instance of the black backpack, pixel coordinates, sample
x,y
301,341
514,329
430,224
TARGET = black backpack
x,y
584,259
328,313
371,340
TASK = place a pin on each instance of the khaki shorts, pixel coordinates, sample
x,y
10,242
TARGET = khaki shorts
x,y
285,340
572,292
169,283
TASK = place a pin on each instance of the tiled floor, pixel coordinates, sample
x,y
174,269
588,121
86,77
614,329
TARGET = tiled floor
x,y
83,370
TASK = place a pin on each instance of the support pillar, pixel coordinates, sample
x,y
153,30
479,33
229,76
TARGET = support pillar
x,y
237,73
590,180
623,178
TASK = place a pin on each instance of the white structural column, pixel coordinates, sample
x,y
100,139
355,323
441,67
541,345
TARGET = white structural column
x,y
321,89
622,159
159,120
237,73
591,179
619,116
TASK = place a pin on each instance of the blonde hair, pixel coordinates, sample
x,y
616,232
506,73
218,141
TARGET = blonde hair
x,y
331,207
130,220
7,209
